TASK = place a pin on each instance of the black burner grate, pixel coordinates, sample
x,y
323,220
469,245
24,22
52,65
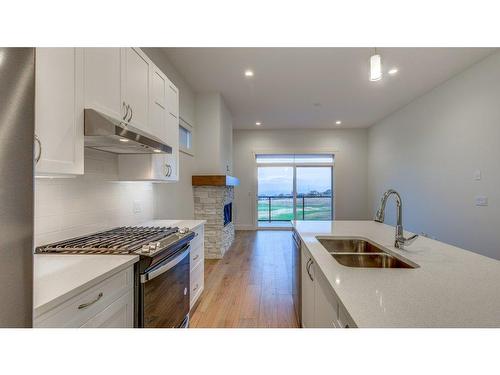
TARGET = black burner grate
x,y
123,240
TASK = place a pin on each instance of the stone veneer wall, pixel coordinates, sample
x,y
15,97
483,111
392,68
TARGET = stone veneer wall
x,y
209,202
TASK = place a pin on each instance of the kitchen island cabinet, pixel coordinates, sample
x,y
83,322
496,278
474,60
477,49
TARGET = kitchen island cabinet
x,y
443,291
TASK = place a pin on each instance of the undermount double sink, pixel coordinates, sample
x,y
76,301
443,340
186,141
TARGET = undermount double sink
x,y
361,253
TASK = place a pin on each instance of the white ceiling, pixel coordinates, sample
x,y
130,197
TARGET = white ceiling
x,y
288,81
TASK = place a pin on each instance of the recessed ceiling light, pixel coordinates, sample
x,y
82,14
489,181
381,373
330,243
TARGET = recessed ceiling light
x,y
123,140
338,122
156,150
258,123
248,73
393,71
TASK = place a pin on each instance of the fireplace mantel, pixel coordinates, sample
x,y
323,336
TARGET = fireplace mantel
x,y
215,180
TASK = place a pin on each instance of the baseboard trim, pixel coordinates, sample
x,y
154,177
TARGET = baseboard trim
x,y
244,227
276,228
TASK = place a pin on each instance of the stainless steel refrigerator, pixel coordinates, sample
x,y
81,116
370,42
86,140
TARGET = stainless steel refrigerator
x,y
17,122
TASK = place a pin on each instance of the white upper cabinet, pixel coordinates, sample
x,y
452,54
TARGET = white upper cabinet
x,y
158,104
164,98
173,100
145,167
104,72
172,124
162,112
117,84
125,84
136,82
59,111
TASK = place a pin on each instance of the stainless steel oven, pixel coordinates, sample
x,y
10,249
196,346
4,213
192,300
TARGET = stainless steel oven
x,y
164,292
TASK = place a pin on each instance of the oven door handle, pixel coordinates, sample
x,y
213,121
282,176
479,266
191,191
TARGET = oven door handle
x,y
164,268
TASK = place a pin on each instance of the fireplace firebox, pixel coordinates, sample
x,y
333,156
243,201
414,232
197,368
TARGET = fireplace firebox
x,y
228,213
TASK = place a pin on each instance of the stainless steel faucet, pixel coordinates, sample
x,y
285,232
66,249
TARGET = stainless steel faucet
x,y
400,240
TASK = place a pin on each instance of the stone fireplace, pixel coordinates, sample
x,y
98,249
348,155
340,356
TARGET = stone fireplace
x,y
213,202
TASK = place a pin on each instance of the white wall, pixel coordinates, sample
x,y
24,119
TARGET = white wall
x,y
429,150
226,139
207,115
69,207
214,127
175,200
350,147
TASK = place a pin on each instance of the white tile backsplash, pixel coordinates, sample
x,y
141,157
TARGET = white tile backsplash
x,y
69,207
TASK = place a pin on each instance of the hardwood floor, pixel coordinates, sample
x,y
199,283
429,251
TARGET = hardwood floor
x,y
251,285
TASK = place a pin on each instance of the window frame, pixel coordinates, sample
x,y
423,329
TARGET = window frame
x,y
190,128
294,166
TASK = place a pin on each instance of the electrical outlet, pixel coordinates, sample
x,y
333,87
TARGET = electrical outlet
x,y
481,200
137,207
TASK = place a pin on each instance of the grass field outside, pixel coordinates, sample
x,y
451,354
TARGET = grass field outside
x,y
316,208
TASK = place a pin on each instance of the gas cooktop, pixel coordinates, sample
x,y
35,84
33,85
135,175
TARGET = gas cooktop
x,y
124,240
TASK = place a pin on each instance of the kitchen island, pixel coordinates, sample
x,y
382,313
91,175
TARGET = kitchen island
x,y
451,287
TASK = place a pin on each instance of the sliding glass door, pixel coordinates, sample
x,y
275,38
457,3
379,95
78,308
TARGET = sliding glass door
x,y
275,194
314,198
294,187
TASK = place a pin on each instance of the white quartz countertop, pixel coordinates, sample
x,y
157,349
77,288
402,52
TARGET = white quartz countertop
x,y
191,224
57,278
451,288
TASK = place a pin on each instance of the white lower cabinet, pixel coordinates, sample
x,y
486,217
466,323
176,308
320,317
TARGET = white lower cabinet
x,y
320,306
110,303
325,304
307,289
119,314
197,266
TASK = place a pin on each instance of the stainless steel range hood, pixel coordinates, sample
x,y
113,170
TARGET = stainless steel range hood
x,y
106,133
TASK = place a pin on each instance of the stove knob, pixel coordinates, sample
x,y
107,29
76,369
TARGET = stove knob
x,y
184,230
152,246
158,245
145,249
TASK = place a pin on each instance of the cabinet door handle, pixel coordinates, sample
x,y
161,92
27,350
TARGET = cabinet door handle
x,y
196,257
37,140
169,170
126,109
85,305
131,114
195,288
309,264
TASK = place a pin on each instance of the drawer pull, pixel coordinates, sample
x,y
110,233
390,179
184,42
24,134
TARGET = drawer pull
x,y
196,257
85,305
195,288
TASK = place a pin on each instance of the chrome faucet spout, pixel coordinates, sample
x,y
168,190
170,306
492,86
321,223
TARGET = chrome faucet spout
x,y
400,240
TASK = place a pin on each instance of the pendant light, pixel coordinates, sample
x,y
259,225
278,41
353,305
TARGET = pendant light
x,y
375,67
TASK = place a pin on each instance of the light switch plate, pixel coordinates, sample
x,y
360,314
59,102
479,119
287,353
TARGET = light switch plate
x,y
477,175
137,207
481,200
